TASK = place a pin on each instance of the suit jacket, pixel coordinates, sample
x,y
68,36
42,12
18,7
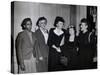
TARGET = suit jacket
x,y
25,48
41,41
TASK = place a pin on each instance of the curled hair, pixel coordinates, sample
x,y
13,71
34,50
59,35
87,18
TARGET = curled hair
x,y
57,19
71,26
84,20
24,22
39,19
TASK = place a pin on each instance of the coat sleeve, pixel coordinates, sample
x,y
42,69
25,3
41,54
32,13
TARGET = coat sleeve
x,y
19,53
93,44
36,50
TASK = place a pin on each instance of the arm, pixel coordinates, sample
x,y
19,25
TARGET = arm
x,y
36,51
19,53
51,43
57,48
93,43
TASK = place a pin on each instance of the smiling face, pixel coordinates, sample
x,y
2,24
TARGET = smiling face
x,y
28,25
60,25
83,26
42,23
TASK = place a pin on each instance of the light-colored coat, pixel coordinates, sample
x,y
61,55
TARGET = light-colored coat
x,y
25,48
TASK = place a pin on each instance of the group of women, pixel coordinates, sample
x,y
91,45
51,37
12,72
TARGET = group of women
x,y
60,49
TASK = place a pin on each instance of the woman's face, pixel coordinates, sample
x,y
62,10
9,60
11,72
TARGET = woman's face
x,y
83,26
28,25
71,31
42,23
60,24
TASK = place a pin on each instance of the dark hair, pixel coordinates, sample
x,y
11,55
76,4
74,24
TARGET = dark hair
x,y
57,19
39,19
24,22
68,34
71,26
84,20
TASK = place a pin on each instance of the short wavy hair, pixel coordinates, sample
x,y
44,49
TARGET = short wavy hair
x,y
39,19
84,20
24,22
57,19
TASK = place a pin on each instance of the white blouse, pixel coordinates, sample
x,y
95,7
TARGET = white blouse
x,y
45,34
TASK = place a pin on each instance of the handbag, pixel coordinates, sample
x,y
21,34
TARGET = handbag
x,y
64,60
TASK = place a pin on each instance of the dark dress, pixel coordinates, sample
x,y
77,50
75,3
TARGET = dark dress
x,y
69,49
54,56
85,53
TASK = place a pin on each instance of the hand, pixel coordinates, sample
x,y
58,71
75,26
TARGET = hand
x,y
40,58
77,49
22,66
95,59
58,49
64,60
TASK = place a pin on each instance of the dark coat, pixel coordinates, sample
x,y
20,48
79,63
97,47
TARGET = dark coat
x,y
42,66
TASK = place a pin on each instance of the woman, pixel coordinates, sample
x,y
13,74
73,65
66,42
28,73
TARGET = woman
x,y
26,48
85,52
55,42
42,37
70,48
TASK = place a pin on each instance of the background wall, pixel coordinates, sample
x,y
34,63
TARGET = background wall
x,y
71,14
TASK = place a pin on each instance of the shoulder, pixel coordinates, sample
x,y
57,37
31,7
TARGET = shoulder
x,y
34,35
64,30
37,31
87,34
21,34
51,29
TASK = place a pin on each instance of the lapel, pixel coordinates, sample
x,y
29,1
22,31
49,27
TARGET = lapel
x,y
41,36
33,38
28,38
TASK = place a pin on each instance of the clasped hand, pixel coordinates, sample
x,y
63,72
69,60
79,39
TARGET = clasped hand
x,y
57,48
